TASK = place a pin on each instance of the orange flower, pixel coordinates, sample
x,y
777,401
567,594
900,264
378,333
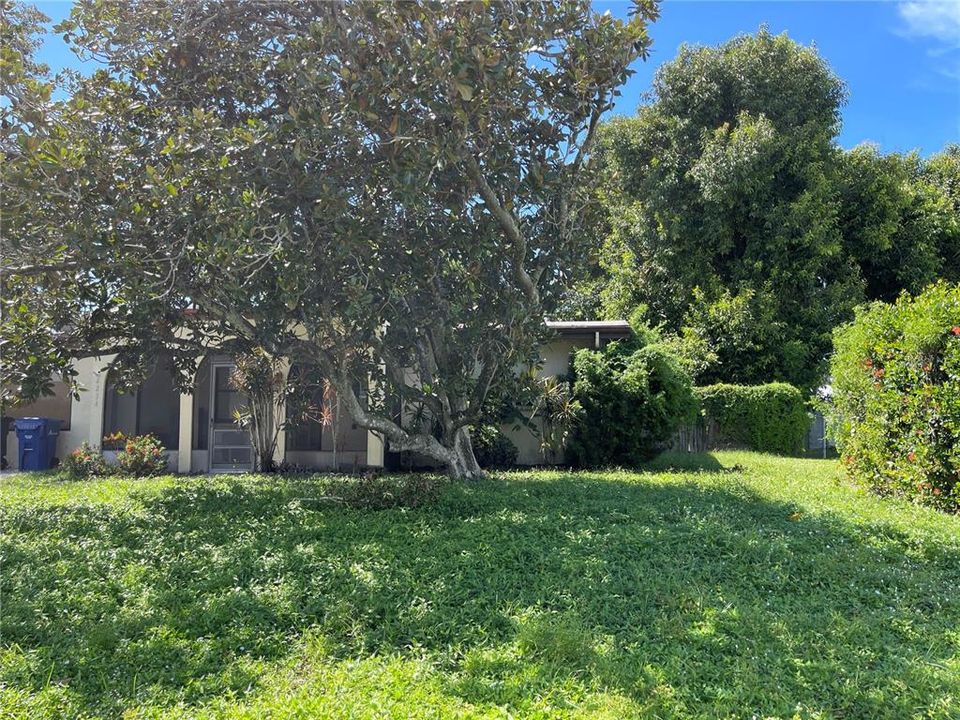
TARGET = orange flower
x,y
955,330
937,491
911,456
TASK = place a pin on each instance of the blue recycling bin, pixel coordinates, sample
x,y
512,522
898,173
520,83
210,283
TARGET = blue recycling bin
x,y
36,442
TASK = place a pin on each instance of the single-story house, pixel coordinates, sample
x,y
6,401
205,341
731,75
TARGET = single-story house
x,y
201,436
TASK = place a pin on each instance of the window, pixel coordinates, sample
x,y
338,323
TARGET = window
x,y
201,407
154,408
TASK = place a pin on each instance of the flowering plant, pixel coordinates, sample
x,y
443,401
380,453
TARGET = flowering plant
x,y
85,462
142,455
114,441
896,396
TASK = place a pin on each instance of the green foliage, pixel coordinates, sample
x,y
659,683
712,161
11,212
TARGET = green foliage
x,y
900,218
895,410
535,595
556,639
768,418
732,218
142,455
554,414
261,380
85,462
720,203
632,399
492,448
372,187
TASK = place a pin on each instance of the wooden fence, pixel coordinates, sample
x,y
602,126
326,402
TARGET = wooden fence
x,y
699,437
704,436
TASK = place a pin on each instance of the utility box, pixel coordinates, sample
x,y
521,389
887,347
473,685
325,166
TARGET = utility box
x,y
37,442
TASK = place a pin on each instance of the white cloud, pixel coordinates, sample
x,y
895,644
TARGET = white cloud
x,y
938,19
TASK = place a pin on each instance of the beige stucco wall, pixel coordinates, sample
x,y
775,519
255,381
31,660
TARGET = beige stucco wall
x,y
86,413
556,361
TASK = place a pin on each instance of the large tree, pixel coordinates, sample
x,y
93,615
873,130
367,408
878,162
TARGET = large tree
x,y
732,220
721,183
900,218
389,191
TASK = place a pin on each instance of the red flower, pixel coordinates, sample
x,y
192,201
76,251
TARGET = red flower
x,y
955,330
911,456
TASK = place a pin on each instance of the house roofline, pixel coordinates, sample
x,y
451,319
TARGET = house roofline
x,y
620,328
595,331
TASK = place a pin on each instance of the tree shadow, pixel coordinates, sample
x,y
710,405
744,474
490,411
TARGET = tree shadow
x,y
673,594
684,462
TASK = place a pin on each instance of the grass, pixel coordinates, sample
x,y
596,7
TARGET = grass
x,y
722,586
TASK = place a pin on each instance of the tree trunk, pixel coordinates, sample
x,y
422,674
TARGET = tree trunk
x,y
459,459
464,463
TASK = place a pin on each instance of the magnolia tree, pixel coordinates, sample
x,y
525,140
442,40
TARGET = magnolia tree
x,y
389,192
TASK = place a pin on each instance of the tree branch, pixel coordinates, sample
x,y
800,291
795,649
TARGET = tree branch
x,y
509,225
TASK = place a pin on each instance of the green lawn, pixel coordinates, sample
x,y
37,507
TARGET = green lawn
x,y
743,586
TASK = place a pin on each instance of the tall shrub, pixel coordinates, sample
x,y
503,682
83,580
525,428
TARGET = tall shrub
x,y
632,401
895,411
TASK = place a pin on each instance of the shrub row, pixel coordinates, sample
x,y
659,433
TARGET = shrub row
x,y
895,411
140,456
767,418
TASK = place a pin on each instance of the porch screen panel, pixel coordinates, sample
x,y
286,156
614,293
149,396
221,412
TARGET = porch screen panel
x,y
306,432
227,399
159,411
120,412
153,408
201,408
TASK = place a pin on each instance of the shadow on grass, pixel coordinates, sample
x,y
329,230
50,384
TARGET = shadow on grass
x,y
675,594
684,462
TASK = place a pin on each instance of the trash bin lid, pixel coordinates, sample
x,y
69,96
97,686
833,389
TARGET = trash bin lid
x,y
30,423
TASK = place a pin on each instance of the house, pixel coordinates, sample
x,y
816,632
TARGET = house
x,y
198,428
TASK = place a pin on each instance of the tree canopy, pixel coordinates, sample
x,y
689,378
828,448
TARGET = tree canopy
x,y
390,191
733,221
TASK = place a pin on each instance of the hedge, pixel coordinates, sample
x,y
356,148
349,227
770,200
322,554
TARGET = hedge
x,y
768,418
895,411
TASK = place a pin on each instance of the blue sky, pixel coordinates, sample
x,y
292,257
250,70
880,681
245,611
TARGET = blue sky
x,y
900,60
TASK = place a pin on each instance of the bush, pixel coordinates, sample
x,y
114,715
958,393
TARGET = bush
x,y
492,448
141,456
767,418
85,462
632,401
895,411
